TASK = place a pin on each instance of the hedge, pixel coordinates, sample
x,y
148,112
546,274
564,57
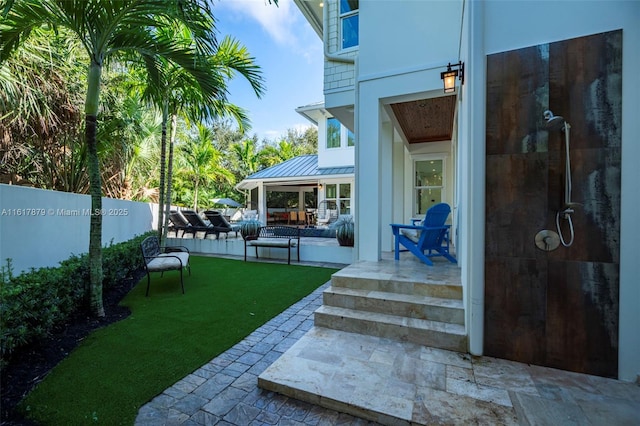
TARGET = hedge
x,y
33,303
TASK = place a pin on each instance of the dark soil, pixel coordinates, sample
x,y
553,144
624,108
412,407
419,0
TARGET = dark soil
x,y
30,365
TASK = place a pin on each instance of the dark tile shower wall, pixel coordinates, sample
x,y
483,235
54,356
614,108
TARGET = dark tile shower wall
x,y
557,308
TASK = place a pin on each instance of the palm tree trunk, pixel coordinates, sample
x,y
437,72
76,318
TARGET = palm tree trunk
x,y
172,138
163,161
195,194
94,292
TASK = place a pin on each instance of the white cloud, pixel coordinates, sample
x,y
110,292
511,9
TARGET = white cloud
x,y
278,21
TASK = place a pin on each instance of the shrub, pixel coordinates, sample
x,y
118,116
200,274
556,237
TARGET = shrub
x,y
249,229
345,230
34,302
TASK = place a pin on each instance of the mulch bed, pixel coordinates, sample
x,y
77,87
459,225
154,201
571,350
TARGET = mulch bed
x,y
31,364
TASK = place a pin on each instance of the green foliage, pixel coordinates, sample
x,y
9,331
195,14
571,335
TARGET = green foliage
x,y
34,302
250,228
345,230
6,272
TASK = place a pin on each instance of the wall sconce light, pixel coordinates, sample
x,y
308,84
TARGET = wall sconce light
x,y
319,186
449,76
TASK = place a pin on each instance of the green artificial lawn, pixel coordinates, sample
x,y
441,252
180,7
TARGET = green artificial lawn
x,y
168,335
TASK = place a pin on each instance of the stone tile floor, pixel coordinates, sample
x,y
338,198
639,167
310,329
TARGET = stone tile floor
x,y
401,383
225,391
461,390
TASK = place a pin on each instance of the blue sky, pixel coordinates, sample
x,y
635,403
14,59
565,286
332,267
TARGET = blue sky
x,y
290,55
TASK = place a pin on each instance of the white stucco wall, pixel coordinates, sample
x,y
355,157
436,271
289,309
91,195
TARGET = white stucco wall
x,y
40,228
333,157
403,34
401,54
497,26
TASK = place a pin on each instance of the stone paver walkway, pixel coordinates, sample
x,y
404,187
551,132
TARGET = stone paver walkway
x,y
225,391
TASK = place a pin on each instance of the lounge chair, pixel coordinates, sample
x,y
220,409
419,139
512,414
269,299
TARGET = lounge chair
x,y
219,221
179,223
198,225
427,239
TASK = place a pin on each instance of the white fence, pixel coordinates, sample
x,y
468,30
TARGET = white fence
x,y
40,228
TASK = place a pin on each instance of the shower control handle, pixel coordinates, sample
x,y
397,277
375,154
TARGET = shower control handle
x,y
547,240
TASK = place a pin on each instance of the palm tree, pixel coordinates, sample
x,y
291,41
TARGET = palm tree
x,y
247,156
272,155
129,131
41,112
107,28
177,95
200,161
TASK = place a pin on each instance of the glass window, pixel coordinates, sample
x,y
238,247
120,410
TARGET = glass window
x,y
345,206
349,22
311,199
428,184
333,133
351,138
345,198
339,195
331,191
347,6
345,190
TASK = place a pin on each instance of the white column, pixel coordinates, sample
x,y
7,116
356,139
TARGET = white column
x,y
262,203
386,185
368,176
472,198
398,200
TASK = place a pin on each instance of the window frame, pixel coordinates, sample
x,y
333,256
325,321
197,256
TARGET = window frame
x,y
416,187
342,17
338,200
326,143
344,139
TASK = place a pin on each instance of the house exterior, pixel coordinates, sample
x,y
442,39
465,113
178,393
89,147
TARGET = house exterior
x,y
324,182
486,149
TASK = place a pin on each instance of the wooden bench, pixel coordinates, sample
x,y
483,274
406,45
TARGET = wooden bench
x,y
275,237
158,259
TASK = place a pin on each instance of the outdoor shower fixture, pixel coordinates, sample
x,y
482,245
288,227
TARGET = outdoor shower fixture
x,y
548,240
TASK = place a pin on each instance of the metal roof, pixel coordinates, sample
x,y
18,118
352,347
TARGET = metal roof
x,y
298,167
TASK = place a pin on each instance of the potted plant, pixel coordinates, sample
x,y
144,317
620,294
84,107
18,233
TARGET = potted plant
x,y
344,227
249,229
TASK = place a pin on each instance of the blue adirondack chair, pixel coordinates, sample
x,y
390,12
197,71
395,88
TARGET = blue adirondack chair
x,y
427,239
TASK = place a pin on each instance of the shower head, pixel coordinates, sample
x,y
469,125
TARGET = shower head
x,y
554,122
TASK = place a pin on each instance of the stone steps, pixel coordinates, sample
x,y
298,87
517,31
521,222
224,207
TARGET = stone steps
x,y
421,331
370,310
407,305
398,285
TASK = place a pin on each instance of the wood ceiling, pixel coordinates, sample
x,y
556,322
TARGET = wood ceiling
x,y
426,120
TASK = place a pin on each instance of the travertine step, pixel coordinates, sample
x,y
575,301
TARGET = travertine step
x,y
421,331
407,305
398,285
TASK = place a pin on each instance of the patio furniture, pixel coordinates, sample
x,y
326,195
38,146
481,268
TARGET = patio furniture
x,y
198,225
430,236
297,217
219,221
179,223
275,237
157,259
250,215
